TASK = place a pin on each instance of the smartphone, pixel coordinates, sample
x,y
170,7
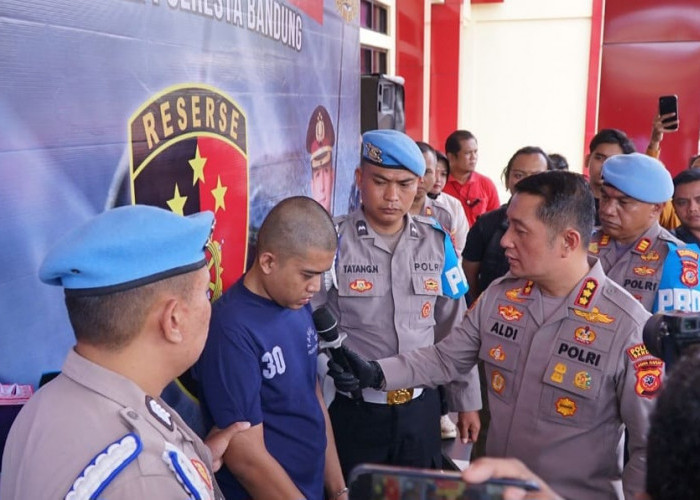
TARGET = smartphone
x,y
669,104
384,482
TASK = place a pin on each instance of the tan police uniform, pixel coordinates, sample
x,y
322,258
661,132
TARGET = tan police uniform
x,y
560,387
388,303
441,213
638,270
76,417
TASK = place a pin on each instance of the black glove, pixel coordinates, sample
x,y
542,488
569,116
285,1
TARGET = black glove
x,y
368,373
344,380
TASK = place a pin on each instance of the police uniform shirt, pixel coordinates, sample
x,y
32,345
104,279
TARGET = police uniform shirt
x,y
560,387
389,303
85,412
639,270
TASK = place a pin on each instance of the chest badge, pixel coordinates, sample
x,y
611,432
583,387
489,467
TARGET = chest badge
x,y
430,285
159,413
361,285
643,270
513,293
566,407
650,256
583,380
584,335
648,374
497,353
425,310
498,382
594,316
558,373
509,313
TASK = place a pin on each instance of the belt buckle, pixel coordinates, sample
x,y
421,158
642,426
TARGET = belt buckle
x,y
399,396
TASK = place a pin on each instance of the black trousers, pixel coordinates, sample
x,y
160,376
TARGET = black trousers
x,y
407,434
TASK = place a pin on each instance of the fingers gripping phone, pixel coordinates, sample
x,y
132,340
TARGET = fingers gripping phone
x,y
669,104
383,482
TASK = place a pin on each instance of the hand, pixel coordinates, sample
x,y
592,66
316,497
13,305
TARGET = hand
x,y
659,128
469,425
486,468
369,373
344,380
218,440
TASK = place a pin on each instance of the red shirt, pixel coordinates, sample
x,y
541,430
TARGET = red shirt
x,y
478,195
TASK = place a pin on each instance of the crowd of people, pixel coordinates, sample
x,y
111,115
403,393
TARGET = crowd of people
x,y
524,318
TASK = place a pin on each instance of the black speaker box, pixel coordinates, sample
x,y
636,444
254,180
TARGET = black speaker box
x,y
382,103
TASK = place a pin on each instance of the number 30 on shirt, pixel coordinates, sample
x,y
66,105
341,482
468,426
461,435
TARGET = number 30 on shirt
x,y
274,363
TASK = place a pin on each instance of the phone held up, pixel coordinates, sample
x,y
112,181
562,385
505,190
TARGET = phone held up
x,y
669,104
383,482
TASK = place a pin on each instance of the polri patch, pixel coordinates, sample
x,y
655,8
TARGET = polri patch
x,y
584,335
648,377
566,407
638,351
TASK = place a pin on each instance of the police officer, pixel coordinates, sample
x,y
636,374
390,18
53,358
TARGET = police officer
x,y
392,289
136,289
562,345
320,139
631,244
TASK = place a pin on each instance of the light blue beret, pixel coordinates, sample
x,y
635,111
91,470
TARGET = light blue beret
x,y
639,176
392,149
127,247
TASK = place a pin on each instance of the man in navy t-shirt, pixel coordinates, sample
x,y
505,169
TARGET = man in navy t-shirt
x,y
259,364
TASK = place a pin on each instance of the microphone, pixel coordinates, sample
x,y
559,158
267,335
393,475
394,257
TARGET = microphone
x,y
327,328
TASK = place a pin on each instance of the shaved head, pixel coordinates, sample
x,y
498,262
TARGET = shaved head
x,y
296,225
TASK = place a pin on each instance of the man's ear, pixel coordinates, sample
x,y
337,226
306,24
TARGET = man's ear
x,y
657,210
358,175
267,262
170,318
572,241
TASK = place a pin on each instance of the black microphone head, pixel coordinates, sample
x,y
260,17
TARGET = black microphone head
x,y
326,324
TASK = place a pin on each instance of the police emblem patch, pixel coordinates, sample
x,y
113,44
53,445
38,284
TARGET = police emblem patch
x,y
583,380
558,373
565,407
498,382
643,270
497,353
361,285
430,285
650,256
637,351
373,153
648,373
689,271
584,335
513,293
594,316
586,293
425,310
509,313
188,153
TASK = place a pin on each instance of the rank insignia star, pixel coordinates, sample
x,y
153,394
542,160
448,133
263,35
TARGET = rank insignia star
x,y
586,293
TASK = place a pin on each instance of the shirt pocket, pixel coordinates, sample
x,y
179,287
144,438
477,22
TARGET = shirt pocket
x,y
426,287
360,296
570,392
500,362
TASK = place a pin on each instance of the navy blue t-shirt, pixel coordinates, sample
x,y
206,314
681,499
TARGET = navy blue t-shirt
x,y
259,365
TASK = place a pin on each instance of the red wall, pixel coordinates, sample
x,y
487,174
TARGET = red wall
x,y
410,26
652,48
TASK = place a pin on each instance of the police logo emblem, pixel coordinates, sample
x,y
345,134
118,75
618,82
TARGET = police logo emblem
x,y
509,313
648,374
497,353
594,316
498,382
584,335
689,273
361,285
188,153
430,285
558,373
583,380
425,310
643,270
373,153
650,256
565,407
513,293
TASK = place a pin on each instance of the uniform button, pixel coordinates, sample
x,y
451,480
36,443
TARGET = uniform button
x,y
132,414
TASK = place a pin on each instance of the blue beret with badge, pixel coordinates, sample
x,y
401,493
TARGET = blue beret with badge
x,y
639,176
392,149
127,247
